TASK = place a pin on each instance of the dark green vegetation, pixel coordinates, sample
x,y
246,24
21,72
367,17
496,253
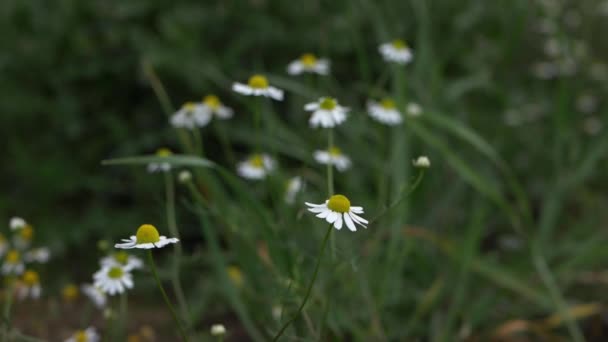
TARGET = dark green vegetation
x,y
509,223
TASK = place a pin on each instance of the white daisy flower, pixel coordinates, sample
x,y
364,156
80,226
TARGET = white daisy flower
x,y
147,237
88,335
422,162
294,186
256,166
258,86
40,255
308,63
123,259
17,223
396,51
4,245
218,330
113,279
337,210
334,157
413,109
326,113
95,294
214,106
384,112
12,263
191,115
160,167
29,286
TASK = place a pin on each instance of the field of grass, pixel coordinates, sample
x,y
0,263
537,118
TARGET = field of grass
x,y
108,127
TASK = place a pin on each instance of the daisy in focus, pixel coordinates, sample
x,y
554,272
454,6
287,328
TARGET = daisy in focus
x,y
161,167
88,335
326,112
95,294
147,237
113,280
29,286
338,211
123,259
294,186
13,263
396,51
17,223
308,63
384,112
256,166
258,86
334,157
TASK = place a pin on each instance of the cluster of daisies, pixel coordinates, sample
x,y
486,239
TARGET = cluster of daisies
x,y
20,258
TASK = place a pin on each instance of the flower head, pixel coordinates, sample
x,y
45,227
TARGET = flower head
x,y
422,162
334,157
161,166
88,335
123,259
385,112
113,279
308,63
256,166
294,186
218,330
29,286
337,210
69,292
12,263
396,51
413,109
326,113
23,237
190,115
17,223
236,275
184,176
213,105
147,237
258,86
95,294
40,255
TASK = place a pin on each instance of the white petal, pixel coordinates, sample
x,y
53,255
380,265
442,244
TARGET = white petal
x,y
332,217
349,222
338,223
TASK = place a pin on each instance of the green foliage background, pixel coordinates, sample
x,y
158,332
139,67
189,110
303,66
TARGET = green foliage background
x,y
73,93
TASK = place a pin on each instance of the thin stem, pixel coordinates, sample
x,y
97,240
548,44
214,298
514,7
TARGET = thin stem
x,y
257,118
7,310
177,252
165,297
312,282
198,142
123,313
330,170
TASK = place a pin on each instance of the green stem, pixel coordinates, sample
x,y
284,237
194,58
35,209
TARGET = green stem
x,y
198,142
123,314
221,133
312,282
330,170
178,251
257,118
165,297
7,310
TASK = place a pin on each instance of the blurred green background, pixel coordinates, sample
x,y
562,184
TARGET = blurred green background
x,y
516,90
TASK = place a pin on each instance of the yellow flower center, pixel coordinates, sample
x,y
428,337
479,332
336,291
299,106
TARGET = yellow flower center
x,y
81,336
257,161
258,82
12,257
334,151
115,273
308,59
30,278
27,233
121,257
399,44
328,103
212,101
147,233
387,103
163,152
235,275
189,106
69,292
339,203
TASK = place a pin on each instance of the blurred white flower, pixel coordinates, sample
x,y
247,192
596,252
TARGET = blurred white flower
x,y
218,330
422,162
334,157
113,279
184,176
258,86
29,286
16,223
277,312
256,166
147,237
384,112
327,113
215,107
337,210
396,51
123,259
191,115
160,166
88,335
413,109
308,63
12,263
95,294
294,186
40,255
